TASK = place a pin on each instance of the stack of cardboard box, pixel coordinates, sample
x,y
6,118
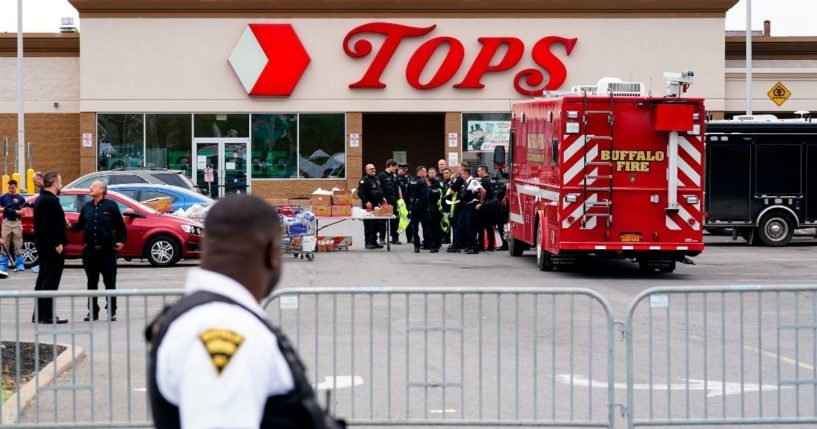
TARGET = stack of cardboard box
x,y
321,203
341,203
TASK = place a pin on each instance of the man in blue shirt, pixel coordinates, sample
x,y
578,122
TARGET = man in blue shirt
x,y
12,205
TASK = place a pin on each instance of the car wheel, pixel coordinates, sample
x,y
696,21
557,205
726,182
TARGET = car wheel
x,y
163,251
29,251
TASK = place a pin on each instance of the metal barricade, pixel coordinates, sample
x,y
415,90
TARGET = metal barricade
x,y
454,357
722,356
84,374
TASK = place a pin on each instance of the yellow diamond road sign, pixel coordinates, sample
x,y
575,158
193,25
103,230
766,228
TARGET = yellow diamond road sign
x,y
779,94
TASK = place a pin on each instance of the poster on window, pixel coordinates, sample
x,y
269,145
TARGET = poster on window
x,y
484,136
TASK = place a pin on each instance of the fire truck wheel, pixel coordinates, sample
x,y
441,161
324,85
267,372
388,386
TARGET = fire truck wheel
x,y
776,229
667,268
644,266
515,248
543,258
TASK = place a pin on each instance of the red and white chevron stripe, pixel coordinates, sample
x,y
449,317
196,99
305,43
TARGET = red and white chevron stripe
x,y
573,167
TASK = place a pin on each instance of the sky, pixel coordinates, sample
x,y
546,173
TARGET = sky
x,y
789,17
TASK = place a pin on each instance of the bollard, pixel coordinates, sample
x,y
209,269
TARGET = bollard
x,y
30,181
16,177
5,184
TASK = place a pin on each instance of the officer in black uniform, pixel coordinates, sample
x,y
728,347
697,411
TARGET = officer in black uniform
x,y
388,181
487,212
371,195
472,194
445,184
417,201
457,189
104,235
403,178
435,215
501,196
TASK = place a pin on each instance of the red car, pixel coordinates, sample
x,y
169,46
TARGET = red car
x,y
162,239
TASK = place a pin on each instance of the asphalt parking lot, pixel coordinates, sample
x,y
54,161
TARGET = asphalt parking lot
x,y
486,357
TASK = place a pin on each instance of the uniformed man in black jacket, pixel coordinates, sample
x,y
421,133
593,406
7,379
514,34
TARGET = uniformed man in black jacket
x,y
417,202
104,235
371,195
457,189
472,199
435,216
51,238
403,179
388,181
488,212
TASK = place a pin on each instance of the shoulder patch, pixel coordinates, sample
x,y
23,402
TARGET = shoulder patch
x,y
221,345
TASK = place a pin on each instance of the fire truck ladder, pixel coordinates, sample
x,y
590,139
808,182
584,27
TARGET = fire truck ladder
x,y
595,182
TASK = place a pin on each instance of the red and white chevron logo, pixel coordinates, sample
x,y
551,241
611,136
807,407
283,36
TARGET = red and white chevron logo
x,y
269,59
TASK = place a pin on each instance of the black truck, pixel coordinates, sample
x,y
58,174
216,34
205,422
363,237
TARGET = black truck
x,y
761,178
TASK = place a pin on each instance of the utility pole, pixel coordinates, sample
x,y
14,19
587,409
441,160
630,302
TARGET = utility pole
x,y
748,57
21,127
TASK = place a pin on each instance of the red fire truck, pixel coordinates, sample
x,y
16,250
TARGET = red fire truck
x,y
609,171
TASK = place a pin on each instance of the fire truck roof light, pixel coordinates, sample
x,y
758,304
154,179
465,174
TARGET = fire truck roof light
x,y
572,114
691,199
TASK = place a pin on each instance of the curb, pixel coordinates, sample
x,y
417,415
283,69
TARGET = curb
x,y
65,362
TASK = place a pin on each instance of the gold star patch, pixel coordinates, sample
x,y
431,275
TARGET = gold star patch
x,y
221,344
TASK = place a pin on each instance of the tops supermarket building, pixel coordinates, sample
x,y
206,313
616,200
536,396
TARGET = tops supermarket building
x,y
282,97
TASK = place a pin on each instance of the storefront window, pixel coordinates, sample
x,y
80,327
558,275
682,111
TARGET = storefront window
x,y
168,141
322,145
120,141
222,125
481,133
274,146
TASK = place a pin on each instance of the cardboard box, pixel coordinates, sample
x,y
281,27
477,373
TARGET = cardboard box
x,y
322,211
319,200
341,242
342,211
342,197
160,204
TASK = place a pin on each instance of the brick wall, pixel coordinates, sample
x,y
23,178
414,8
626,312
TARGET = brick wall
x,y
54,140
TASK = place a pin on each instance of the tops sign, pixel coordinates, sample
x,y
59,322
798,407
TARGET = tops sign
x,y
270,60
526,82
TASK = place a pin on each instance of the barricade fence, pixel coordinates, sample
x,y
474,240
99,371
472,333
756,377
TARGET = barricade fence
x,y
476,357
722,356
84,374
468,357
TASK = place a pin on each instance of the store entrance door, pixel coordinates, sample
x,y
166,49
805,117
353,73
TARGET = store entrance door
x,y
220,165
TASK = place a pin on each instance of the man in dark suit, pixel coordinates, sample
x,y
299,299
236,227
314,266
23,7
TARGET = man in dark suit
x,y
51,238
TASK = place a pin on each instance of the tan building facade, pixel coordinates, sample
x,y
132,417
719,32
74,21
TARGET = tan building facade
x,y
187,84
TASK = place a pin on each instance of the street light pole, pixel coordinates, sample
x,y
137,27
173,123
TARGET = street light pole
x,y
21,130
748,57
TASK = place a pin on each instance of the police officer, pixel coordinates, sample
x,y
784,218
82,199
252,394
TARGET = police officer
x,y
417,200
403,179
472,198
13,206
456,190
445,184
215,361
488,211
104,235
435,215
371,195
388,181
